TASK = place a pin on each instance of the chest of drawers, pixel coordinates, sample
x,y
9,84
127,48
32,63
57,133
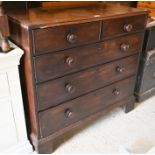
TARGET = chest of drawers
x,y
78,63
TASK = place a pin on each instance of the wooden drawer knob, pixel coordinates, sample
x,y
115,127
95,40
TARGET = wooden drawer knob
x,y
70,88
128,27
116,92
120,69
68,113
71,38
69,61
125,47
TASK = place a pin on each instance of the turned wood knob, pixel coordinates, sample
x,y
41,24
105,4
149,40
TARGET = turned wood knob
x,y
68,113
128,27
120,69
71,38
116,92
69,61
125,47
70,88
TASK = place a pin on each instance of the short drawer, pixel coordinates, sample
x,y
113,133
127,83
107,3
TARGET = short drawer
x,y
124,25
62,37
55,92
62,116
58,64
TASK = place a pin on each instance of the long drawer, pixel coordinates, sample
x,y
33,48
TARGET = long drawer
x,y
58,64
125,25
62,37
62,116
63,89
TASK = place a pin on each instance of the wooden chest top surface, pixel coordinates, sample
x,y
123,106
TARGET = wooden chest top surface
x,y
47,17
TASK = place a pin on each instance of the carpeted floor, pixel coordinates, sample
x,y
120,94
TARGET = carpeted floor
x,y
134,131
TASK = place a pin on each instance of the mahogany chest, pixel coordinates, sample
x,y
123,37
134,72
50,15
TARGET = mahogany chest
x,y
78,63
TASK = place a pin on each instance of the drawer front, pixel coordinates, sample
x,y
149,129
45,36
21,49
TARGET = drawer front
x,y
62,116
57,38
123,25
58,64
63,89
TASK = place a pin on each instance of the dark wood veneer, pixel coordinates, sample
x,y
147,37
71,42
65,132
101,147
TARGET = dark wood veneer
x,y
68,36
75,65
55,92
83,106
85,56
123,26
